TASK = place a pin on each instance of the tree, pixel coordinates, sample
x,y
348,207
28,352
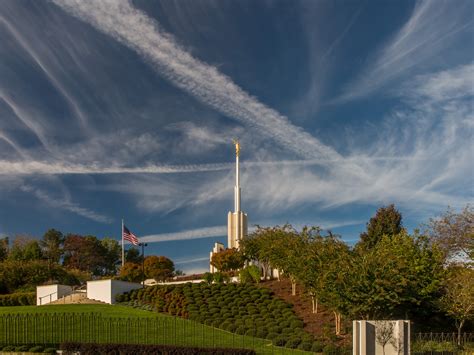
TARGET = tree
x,y
258,246
285,251
458,298
159,268
25,249
112,255
228,260
387,221
454,233
85,253
132,255
3,248
131,272
399,274
51,245
384,333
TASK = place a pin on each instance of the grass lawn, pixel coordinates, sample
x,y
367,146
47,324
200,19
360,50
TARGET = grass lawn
x,y
116,324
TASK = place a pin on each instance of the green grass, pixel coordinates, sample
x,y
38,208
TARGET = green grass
x,y
113,311
115,324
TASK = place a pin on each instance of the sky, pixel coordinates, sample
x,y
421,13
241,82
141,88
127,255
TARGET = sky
x,y
127,109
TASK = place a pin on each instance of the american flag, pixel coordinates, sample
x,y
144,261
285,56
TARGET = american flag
x,y
127,235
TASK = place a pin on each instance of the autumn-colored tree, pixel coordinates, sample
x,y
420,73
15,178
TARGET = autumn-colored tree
x,y
159,268
387,221
228,260
85,253
458,298
454,233
131,272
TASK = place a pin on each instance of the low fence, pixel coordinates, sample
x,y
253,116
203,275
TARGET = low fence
x,y
53,329
444,337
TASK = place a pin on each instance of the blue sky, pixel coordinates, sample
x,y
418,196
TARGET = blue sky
x,y
118,109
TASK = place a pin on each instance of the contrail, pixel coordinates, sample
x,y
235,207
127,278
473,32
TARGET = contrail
x,y
50,168
200,233
136,30
32,167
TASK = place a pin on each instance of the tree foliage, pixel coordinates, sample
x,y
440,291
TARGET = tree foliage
x,y
228,260
159,268
454,233
51,245
131,272
458,296
387,221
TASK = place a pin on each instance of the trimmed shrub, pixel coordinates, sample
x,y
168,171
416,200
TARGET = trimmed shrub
x,y
306,346
280,340
330,349
293,342
49,351
18,299
8,348
241,330
272,336
22,348
317,347
36,349
129,349
261,332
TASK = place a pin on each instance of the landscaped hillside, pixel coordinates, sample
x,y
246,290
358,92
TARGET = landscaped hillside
x,y
52,325
242,309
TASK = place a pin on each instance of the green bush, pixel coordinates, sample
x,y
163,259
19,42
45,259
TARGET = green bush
x,y
272,336
49,351
8,348
280,340
208,278
18,299
330,349
317,347
305,346
22,348
293,342
36,349
241,330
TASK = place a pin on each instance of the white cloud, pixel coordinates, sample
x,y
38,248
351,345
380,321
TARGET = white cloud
x,y
142,34
428,33
65,204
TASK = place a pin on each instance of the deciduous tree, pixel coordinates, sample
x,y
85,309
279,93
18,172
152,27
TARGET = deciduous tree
x,y
159,268
454,233
228,260
458,298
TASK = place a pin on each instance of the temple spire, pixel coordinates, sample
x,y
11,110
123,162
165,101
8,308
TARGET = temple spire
x,y
237,177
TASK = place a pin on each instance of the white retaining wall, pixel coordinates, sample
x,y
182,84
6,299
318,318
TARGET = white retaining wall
x,y
106,290
49,293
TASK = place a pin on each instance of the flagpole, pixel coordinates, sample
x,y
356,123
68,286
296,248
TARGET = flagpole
x,y
123,251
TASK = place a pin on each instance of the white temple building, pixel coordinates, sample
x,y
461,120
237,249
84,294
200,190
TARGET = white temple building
x,y
237,220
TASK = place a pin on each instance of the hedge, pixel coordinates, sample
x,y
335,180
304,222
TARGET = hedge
x,y
18,299
136,349
239,308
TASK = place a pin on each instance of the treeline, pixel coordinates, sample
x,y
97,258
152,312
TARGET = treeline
x,y
387,274
71,259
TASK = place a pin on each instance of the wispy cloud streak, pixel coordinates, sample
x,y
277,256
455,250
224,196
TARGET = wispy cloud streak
x,y
428,31
139,32
65,204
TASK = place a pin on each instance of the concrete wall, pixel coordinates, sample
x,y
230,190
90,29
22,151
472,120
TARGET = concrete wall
x,y
366,342
49,293
106,290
